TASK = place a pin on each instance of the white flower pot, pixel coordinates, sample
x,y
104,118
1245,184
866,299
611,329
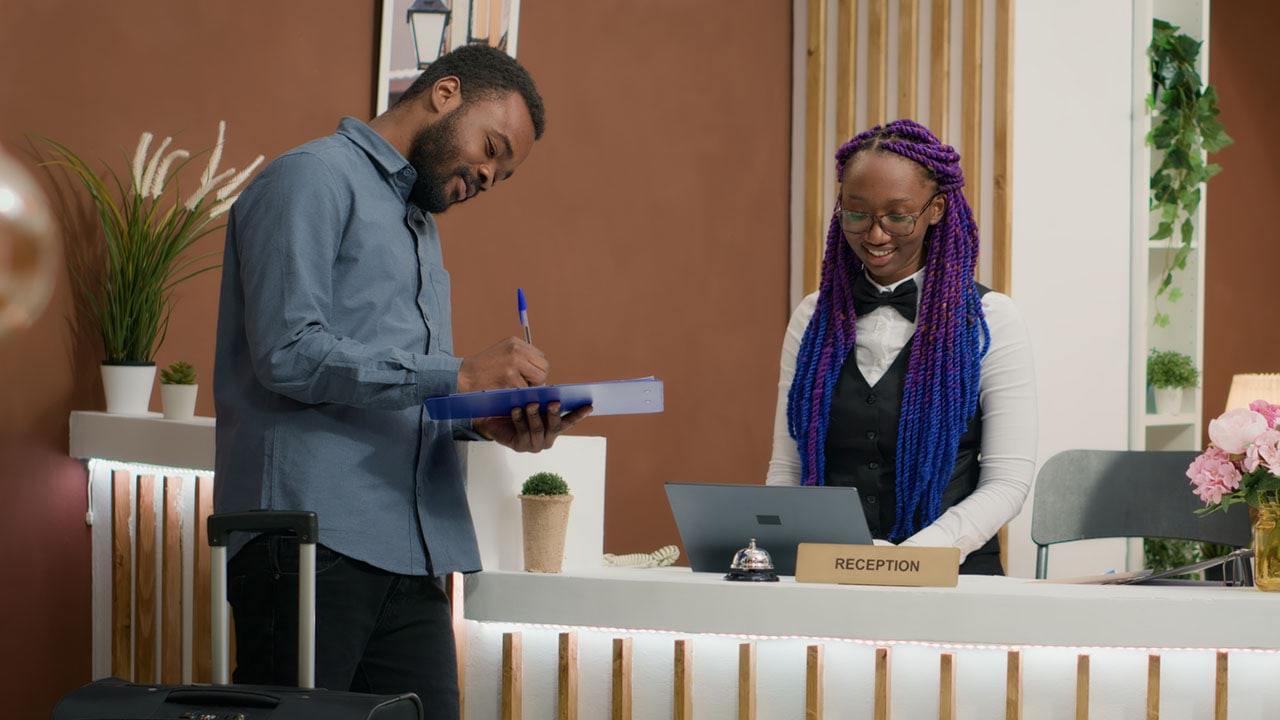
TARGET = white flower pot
x,y
179,401
128,387
1168,401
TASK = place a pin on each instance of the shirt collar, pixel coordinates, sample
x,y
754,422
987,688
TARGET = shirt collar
x,y
386,157
918,276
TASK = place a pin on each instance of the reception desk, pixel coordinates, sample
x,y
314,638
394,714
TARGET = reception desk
x,y
689,629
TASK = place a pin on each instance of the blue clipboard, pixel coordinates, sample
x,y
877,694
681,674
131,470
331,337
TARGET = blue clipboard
x,y
619,397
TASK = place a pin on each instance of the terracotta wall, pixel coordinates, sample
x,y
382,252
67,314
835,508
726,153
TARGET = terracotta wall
x,y
1241,252
649,229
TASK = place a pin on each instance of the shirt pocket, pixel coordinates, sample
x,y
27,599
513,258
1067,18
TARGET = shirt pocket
x,y
441,310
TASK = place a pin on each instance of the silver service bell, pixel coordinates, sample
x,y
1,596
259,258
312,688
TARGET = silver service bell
x,y
752,564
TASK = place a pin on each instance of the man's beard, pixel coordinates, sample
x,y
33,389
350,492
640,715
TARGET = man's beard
x,y
433,151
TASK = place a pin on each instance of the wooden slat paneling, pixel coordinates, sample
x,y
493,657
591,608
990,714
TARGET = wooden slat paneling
x,y
877,61
815,160
1153,687
1002,172
620,707
144,641
121,575
454,588
512,676
1013,687
567,687
202,618
1220,687
846,69
1082,687
908,56
171,585
747,681
682,695
971,106
940,70
882,689
813,683
947,687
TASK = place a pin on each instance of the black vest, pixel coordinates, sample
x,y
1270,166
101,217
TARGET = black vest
x,y
862,441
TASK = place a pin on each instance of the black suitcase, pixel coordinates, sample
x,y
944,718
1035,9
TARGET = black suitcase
x,y
115,699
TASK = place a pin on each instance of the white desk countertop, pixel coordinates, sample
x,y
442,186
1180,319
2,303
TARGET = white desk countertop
x,y
980,610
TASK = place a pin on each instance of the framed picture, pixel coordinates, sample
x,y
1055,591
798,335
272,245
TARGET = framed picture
x,y
491,22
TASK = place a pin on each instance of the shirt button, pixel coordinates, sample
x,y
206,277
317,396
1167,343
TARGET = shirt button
x,y
873,465
871,434
871,499
871,399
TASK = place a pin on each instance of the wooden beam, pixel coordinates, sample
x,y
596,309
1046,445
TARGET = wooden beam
x,y
971,107
1002,173
877,62
144,592
201,600
1013,687
567,688
882,690
747,681
682,696
1220,687
171,585
121,575
815,159
621,705
1153,687
940,70
846,69
908,56
512,676
1082,687
947,687
455,587
813,683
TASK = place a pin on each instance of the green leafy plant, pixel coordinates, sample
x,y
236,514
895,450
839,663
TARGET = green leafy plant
x,y
179,373
1161,554
544,483
1171,369
1186,126
127,284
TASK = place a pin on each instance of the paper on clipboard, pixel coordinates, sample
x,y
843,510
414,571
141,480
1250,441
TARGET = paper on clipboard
x,y
618,397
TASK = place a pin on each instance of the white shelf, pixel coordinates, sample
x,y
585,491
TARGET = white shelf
x,y
1161,245
1153,420
147,439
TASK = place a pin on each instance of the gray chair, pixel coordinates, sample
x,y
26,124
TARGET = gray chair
x,y
1089,494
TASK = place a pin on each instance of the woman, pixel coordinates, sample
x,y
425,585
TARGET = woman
x,y
902,376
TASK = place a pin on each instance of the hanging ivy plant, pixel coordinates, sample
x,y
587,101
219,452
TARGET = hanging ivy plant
x,y
1186,126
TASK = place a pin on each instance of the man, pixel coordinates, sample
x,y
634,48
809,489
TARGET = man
x,y
333,326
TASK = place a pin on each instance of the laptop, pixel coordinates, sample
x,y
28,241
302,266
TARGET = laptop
x,y
717,520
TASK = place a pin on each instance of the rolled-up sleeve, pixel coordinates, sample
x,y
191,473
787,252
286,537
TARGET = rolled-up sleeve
x,y
288,239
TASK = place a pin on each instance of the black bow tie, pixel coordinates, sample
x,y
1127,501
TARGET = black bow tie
x,y
867,297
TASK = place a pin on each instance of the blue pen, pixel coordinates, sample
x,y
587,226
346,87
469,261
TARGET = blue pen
x,y
524,315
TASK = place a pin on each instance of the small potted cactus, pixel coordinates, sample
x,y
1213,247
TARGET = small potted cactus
x,y
178,391
544,515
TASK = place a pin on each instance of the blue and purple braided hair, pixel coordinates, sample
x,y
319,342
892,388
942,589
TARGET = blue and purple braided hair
x,y
951,338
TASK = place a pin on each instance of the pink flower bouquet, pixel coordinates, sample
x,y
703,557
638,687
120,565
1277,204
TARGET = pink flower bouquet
x,y
1242,462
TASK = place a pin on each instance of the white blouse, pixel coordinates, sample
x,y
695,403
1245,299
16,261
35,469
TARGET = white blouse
x,y
1008,404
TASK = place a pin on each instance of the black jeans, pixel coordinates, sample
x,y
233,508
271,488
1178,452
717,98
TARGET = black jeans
x,y
376,631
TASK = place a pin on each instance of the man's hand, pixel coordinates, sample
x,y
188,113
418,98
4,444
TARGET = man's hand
x,y
527,430
512,363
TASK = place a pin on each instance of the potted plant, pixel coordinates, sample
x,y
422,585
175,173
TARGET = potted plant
x,y
544,515
178,391
149,227
1242,465
1169,372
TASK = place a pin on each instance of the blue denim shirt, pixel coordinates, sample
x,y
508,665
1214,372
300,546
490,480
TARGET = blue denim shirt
x,y
333,325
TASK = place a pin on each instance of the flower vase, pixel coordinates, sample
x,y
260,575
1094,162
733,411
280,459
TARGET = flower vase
x,y
1266,547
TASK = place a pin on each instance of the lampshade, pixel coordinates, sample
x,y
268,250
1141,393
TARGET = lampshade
x,y
1245,388
29,251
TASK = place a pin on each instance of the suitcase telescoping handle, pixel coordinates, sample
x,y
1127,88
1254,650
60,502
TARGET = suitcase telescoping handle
x,y
307,529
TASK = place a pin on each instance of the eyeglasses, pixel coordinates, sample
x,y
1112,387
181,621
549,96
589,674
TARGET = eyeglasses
x,y
895,225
